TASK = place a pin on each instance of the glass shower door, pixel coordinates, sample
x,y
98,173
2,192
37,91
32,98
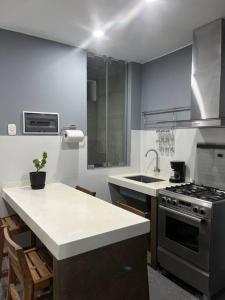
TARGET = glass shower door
x,y
96,112
116,113
106,112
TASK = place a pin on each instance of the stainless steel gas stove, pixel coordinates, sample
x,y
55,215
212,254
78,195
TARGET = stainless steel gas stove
x,y
191,232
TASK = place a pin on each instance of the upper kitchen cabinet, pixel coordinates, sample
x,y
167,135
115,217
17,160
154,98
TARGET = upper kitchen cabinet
x,y
166,86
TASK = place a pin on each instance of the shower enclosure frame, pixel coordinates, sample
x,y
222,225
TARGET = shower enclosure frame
x,y
106,164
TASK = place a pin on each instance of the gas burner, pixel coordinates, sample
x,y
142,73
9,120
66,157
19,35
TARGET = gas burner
x,y
199,191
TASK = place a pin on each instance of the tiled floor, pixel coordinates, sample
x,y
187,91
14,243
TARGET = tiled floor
x,y
161,288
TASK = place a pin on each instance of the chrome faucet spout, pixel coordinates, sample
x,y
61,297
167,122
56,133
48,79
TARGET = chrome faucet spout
x,y
157,159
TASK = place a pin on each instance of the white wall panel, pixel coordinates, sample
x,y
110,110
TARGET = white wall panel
x,y
185,148
67,164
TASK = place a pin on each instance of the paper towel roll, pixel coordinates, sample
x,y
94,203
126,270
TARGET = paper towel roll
x,y
73,136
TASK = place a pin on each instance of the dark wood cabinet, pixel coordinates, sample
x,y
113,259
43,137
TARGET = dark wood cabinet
x,y
153,231
113,272
144,206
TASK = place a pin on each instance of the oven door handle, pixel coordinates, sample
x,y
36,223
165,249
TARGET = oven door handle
x,y
198,220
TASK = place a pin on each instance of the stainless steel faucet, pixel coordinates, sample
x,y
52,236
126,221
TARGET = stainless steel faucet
x,y
157,159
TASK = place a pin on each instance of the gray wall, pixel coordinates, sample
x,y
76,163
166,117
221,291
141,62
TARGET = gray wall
x,y
134,80
134,102
40,75
166,82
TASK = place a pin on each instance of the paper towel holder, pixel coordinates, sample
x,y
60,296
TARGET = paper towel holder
x,y
72,135
71,127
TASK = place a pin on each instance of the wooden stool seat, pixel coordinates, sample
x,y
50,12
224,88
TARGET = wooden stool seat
x,y
80,188
40,270
14,224
32,268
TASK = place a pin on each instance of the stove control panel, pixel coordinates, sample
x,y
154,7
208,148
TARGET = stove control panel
x,y
184,206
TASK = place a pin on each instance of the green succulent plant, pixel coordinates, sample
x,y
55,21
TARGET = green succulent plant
x,y
40,163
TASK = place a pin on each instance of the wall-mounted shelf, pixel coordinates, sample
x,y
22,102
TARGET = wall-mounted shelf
x,y
172,117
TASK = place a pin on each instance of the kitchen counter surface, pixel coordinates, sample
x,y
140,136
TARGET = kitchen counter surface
x,y
70,222
145,188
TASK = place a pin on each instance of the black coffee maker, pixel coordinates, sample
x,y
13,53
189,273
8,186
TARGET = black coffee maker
x,y
178,169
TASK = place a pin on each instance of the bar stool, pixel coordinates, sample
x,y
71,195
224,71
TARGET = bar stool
x,y
32,268
15,226
85,191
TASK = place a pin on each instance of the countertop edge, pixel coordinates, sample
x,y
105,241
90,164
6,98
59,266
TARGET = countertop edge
x,y
133,186
103,240
80,246
50,244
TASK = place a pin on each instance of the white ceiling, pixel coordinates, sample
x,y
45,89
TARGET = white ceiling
x,y
135,30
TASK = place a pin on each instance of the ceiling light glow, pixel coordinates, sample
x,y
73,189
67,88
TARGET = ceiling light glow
x,y
98,34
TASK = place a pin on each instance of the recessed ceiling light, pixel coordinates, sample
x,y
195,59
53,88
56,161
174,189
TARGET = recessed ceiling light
x,y
98,34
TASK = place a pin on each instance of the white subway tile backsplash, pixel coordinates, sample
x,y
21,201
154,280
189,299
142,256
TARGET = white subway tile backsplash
x,y
185,148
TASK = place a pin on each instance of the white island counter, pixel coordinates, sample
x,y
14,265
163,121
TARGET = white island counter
x,y
90,240
70,222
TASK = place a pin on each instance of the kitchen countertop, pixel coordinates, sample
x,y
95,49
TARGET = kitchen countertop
x,y
145,188
69,222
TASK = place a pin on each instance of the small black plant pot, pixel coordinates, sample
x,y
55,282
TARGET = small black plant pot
x,y
37,180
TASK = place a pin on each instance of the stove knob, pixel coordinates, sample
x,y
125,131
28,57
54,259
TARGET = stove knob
x,y
169,200
174,202
163,199
195,209
202,211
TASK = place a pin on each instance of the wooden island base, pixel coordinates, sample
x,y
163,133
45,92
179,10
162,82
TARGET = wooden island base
x,y
114,272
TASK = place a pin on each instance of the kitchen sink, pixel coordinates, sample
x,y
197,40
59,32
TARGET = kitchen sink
x,y
144,179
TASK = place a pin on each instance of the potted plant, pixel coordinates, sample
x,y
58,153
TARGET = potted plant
x,y
37,179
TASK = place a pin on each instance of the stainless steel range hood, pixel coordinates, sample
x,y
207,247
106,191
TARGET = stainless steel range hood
x,y
207,82
208,76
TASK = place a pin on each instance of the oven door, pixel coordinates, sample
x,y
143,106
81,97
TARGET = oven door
x,y
184,235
